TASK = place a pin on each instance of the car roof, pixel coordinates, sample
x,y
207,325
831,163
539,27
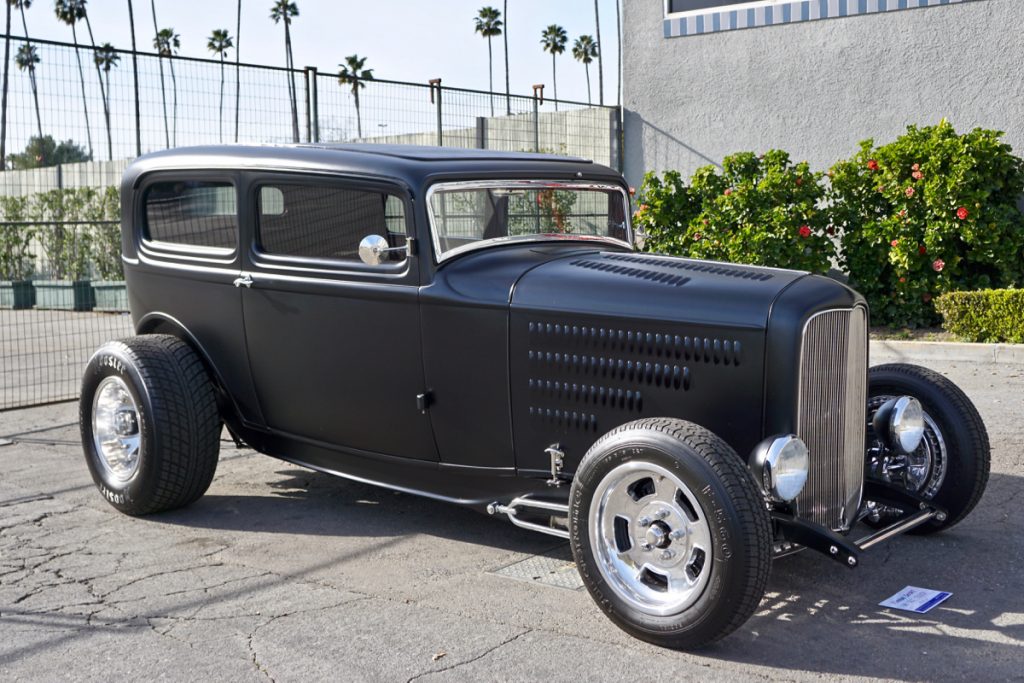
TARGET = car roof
x,y
414,164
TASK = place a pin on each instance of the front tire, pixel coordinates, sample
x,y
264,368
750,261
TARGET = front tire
x,y
149,423
951,466
670,533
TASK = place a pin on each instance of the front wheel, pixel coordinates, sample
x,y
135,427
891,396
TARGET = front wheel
x,y
670,533
951,466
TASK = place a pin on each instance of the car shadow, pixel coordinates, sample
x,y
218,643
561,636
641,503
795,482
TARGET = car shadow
x,y
305,502
816,616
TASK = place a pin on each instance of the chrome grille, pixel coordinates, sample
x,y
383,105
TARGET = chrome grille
x,y
831,414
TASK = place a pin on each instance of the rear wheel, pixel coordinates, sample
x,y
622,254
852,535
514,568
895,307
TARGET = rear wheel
x,y
951,466
149,423
669,532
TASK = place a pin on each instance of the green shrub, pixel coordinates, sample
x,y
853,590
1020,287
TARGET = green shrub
x,y
760,210
991,315
931,212
16,262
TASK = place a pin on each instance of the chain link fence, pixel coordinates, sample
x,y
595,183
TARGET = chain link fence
x,y
72,117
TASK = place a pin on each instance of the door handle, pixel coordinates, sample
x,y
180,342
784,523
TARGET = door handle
x,y
244,281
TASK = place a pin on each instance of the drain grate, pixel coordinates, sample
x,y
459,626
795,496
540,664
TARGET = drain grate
x,y
553,568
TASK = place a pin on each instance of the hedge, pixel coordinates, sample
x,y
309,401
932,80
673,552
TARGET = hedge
x,y
988,315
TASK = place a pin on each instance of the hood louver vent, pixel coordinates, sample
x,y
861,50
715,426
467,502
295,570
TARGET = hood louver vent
x,y
658,276
692,266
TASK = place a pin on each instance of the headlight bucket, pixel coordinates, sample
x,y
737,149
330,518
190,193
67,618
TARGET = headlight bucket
x,y
899,424
781,464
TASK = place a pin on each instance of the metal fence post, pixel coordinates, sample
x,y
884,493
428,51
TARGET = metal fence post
x,y
435,84
481,132
312,104
538,99
309,119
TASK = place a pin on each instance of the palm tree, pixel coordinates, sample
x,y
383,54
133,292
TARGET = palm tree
x,y
600,60
488,25
3,103
219,43
166,44
99,77
105,58
508,90
160,61
584,50
26,59
238,68
70,12
283,10
352,73
135,82
553,40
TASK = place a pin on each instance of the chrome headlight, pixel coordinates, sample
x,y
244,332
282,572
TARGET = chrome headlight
x,y
782,464
899,423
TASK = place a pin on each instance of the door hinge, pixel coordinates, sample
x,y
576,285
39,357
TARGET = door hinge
x,y
423,401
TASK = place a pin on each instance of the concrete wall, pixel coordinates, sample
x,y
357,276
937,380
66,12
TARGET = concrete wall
x,y
82,174
817,88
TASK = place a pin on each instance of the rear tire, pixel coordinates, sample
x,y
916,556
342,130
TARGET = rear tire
x,y
670,533
149,423
952,463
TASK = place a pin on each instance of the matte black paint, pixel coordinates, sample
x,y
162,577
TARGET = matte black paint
x,y
518,346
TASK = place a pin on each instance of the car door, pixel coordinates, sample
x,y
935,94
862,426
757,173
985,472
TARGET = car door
x,y
333,343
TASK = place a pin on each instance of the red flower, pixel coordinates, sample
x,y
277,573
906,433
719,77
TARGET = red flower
x,y
799,181
917,175
830,230
926,297
903,279
632,191
938,264
696,236
643,207
894,243
728,191
921,250
881,188
915,167
910,192
962,213
873,165
805,231
903,213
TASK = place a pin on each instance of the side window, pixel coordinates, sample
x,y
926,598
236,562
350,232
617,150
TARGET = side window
x,y
192,213
326,221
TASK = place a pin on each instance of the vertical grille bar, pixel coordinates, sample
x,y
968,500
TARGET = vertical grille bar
x,y
831,415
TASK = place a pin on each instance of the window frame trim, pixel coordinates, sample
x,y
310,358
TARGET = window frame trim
x,y
298,265
455,185
187,252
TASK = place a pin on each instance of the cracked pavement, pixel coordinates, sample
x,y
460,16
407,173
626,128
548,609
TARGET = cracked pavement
x,y
283,574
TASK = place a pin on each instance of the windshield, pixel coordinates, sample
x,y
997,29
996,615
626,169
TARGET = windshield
x,y
470,215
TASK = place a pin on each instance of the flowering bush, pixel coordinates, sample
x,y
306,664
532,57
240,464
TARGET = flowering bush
x,y
761,210
931,212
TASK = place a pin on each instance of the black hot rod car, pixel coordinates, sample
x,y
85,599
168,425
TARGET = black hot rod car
x,y
478,327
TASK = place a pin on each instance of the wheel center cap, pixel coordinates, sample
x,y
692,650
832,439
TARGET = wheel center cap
x,y
657,535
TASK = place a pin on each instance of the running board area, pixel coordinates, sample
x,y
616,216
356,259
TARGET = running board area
x,y
523,505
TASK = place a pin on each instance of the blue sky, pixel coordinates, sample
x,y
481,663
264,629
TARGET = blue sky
x,y
407,40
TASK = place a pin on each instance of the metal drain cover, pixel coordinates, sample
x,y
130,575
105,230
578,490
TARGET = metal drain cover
x,y
553,568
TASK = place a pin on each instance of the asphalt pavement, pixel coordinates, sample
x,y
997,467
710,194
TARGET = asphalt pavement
x,y
283,574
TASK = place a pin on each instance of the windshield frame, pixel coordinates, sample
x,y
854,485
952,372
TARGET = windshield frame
x,y
510,183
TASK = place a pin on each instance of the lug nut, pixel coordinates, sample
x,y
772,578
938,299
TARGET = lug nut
x,y
677,534
662,514
646,546
667,554
644,521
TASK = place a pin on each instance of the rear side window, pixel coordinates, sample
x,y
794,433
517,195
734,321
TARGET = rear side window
x,y
323,221
192,213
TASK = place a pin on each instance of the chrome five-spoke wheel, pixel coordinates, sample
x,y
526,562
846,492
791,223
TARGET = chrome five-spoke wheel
x,y
652,538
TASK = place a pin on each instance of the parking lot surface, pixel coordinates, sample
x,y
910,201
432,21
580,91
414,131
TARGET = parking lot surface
x,y
283,574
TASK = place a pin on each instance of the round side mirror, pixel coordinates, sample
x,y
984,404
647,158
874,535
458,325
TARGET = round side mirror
x,y
373,250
